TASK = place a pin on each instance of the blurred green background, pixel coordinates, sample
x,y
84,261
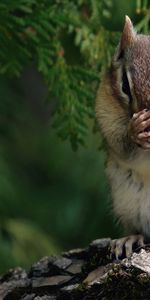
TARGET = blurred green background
x,y
53,191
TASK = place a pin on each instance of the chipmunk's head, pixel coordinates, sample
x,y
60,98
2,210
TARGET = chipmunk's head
x,y
131,66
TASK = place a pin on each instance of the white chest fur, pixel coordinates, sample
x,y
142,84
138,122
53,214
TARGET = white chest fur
x,y
130,184
141,164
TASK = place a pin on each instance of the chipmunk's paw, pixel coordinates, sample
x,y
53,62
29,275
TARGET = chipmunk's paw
x,y
139,129
123,247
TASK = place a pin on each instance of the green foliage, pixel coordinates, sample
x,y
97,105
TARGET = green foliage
x,y
40,31
143,8
22,243
45,186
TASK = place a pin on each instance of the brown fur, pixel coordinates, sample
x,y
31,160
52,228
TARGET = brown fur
x,y
128,165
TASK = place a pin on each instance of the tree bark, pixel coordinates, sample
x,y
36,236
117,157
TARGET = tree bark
x,y
88,274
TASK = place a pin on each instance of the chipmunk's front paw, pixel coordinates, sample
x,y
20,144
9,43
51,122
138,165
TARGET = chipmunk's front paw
x,y
123,247
139,129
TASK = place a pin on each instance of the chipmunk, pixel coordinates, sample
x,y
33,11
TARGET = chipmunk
x,y
123,113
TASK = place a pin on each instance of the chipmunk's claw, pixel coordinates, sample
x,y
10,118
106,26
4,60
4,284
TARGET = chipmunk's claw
x,y
124,247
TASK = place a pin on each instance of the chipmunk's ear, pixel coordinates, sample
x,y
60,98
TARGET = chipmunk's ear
x,y
128,37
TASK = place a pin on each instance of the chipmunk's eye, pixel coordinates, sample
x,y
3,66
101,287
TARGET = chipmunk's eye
x,y
125,85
